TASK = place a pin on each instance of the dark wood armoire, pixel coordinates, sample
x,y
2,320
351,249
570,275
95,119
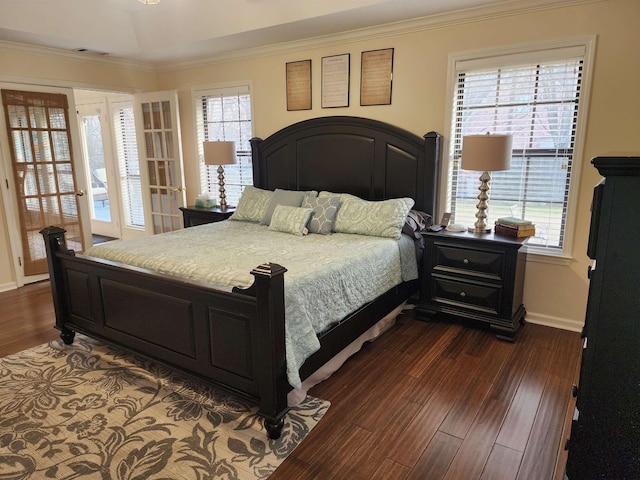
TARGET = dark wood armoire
x,y
604,442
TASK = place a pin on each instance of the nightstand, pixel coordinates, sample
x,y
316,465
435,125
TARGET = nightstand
x,y
193,216
477,277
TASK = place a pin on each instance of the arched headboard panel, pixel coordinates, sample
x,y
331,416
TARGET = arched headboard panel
x,y
361,156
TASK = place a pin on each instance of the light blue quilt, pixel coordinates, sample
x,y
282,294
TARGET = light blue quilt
x,y
328,276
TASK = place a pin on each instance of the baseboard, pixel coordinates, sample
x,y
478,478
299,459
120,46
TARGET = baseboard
x,y
556,322
5,287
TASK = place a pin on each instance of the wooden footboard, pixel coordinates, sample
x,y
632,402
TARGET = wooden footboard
x,y
229,337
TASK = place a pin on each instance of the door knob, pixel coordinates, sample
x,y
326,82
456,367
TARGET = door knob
x,y
80,193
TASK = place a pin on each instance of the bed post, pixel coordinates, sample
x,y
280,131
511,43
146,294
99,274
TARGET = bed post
x,y
432,150
258,175
54,241
271,361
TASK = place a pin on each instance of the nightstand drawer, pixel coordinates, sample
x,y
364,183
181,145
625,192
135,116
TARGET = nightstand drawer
x,y
486,264
482,298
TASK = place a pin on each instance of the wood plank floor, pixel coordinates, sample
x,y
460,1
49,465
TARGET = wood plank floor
x,y
425,401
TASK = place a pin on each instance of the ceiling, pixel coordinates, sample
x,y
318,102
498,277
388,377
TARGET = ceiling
x,y
178,30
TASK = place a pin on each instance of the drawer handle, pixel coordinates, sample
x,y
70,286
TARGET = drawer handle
x,y
466,260
462,294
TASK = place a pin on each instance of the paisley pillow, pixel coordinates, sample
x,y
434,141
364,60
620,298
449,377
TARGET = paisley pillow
x,y
252,204
290,219
377,219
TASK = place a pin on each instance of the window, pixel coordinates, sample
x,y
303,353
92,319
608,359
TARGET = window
x,y
225,114
536,96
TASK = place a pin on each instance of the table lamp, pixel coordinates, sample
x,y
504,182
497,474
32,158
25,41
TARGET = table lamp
x,y
220,153
485,153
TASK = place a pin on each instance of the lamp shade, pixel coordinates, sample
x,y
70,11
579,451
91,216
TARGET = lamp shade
x,y
219,153
486,153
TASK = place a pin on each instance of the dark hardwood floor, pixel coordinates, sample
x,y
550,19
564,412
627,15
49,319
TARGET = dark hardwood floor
x,y
425,401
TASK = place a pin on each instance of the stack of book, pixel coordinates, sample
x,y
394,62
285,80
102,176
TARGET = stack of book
x,y
514,227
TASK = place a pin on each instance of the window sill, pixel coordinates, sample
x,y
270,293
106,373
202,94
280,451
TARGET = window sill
x,y
535,255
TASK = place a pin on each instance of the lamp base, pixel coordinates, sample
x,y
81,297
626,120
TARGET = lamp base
x,y
478,230
480,226
222,204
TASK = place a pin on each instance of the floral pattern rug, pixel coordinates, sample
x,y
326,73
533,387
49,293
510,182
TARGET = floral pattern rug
x,y
92,411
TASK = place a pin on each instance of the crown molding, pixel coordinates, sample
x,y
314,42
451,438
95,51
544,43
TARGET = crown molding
x,y
460,17
23,49
469,15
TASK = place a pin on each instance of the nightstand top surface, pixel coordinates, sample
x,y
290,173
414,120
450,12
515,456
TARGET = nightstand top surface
x,y
478,237
209,209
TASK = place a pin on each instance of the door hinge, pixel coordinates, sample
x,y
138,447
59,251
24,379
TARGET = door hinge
x,y
19,261
6,180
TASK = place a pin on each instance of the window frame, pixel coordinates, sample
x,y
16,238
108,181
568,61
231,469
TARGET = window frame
x,y
542,51
197,92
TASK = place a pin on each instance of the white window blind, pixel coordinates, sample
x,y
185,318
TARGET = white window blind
x,y
536,101
129,167
225,114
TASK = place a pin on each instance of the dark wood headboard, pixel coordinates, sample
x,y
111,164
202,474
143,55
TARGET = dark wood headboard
x,y
364,157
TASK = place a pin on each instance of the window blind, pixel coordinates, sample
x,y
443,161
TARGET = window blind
x,y
538,104
129,166
225,114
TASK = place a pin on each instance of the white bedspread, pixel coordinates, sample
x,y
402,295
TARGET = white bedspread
x,y
328,276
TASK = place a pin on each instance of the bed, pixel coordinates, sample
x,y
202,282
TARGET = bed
x,y
234,337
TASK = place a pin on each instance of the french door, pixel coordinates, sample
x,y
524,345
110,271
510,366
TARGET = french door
x,y
49,185
160,157
48,188
102,189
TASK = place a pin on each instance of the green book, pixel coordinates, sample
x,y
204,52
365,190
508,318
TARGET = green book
x,y
516,222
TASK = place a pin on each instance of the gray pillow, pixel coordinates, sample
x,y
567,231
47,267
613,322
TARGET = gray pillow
x,y
290,219
252,204
289,198
324,213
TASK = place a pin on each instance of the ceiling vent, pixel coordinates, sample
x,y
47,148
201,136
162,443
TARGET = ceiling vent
x,y
87,51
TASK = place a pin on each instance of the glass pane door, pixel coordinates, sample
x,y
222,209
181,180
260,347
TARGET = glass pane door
x,y
162,155
98,187
102,194
42,163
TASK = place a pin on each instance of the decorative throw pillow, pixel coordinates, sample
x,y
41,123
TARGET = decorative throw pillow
x,y
290,198
343,196
324,213
377,219
290,219
309,194
252,204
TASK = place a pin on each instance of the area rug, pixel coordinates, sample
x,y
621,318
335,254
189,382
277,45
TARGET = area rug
x,y
92,411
